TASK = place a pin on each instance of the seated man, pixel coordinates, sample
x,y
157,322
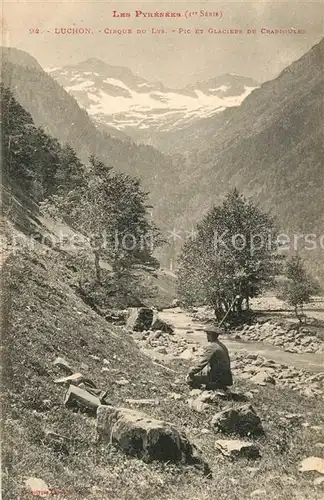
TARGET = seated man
x,y
217,361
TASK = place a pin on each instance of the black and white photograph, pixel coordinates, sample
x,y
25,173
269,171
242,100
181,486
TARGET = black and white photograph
x,y
162,250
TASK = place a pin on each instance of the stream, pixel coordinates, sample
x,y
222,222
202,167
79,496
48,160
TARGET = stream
x,y
182,323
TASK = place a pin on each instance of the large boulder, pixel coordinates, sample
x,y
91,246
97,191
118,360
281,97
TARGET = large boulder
x,y
242,420
140,319
163,326
77,398
312,464
137,434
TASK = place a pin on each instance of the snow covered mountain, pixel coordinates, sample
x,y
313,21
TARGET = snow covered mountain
x,y
114,96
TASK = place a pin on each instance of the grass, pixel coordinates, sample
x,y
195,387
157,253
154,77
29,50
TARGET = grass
x,y
44,318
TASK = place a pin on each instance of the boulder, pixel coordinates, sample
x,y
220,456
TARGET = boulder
x,y
163,326
197,405
242,420
263,378
235,448
74,379
63,364
37,486
137,434
312,464
77,398
140,319
187,354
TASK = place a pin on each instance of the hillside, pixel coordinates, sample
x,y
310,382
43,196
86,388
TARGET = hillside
x,y
270,148
44,318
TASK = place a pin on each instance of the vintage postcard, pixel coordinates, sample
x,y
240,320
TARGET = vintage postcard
x,y
162,250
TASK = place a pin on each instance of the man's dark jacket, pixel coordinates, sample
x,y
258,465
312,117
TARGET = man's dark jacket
x,y
216,358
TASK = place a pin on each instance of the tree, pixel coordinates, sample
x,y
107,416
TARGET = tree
x,y
109,208
30,158
299,286
231,257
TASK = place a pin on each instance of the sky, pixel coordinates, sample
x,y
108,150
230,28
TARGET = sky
x,y
174,58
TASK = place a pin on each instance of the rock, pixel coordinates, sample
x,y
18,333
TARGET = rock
x,y
251,356
37,486
197,405
74,379
140,319
143,402
195,392
80,399
175,396
242,420
163,326
262,378
84,367
95,358
235,448
294,418
318,481
312,464
175,303
137,434
187,354
122,381
161,349
63,364
207,397
258,493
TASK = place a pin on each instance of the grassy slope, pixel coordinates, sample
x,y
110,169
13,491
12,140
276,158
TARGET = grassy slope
x,y
43,318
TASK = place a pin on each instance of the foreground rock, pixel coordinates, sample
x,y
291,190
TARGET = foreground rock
x,y
77,398
63,364
137,434
163,326
36,486
312,464
140,319
242,421
235,448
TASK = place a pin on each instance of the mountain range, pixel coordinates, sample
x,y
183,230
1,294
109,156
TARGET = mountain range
x,y
145,110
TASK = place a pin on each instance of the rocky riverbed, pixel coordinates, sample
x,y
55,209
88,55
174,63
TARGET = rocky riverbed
x,y
261,371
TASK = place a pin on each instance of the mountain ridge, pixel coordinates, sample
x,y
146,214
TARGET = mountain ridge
x,y
113,95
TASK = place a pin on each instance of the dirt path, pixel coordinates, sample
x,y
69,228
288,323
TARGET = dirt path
x,y
193,330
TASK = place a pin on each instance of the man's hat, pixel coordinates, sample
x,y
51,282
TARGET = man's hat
x,y
216,330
